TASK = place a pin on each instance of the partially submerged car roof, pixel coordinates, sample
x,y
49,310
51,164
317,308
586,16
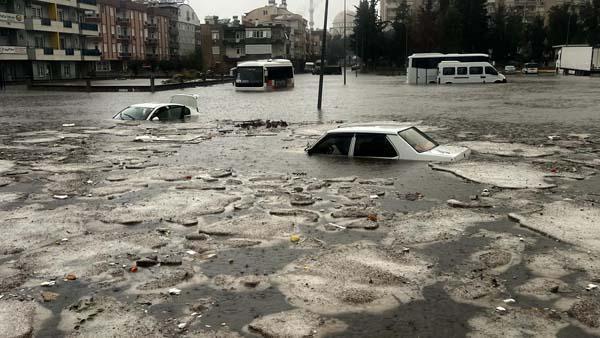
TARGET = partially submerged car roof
x,y
372,129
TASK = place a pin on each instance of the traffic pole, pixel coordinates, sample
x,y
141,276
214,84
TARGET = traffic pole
x,y
323,51
345,57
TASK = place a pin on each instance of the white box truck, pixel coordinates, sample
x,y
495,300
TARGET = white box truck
x,y
577,60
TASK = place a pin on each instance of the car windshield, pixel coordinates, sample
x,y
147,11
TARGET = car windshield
x,y
134,113
418,140
531,65
250,75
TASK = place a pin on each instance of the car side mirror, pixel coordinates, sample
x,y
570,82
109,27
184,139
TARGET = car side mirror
x,y
155,118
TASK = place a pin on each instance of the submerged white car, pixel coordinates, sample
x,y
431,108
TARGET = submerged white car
x,y
178,108
387,142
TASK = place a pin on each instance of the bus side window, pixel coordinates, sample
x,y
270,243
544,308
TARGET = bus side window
x,y
461,71
448,70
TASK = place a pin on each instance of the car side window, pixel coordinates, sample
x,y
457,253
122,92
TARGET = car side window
x,y
461,71
333,144
475,70
175,112
161,113
490,70
373,145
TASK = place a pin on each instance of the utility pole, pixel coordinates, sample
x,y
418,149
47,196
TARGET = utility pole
x,y
345,57
323,51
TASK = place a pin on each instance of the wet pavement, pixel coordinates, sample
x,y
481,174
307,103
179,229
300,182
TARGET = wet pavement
x,y
203,228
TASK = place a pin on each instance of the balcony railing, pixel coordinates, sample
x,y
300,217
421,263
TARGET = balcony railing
x,y
91,52
45,22
48,51
67,24
88,26
69,51
122,20
124,54
123,37
88,2
151,40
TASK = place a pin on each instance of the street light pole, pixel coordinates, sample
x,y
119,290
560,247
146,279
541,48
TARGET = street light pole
x,y
323,51
345,57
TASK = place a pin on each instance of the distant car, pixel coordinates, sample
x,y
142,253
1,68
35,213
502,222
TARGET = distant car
x,y
177,109
387,142
530,68
510,69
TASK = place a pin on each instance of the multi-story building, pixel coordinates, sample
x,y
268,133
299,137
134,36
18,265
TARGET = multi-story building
x,y
47,39
123,36
212,34
273,15
183,27
157,40
13,41
227,42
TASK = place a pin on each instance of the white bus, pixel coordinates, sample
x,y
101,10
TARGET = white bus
x,y
423,68
264,75
468,72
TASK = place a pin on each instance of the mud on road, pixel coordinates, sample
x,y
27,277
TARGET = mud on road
x,y
208,229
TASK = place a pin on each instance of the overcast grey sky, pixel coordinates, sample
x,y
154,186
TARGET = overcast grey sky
x,y
229,8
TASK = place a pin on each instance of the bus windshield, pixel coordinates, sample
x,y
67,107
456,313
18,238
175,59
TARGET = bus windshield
x,y
250,76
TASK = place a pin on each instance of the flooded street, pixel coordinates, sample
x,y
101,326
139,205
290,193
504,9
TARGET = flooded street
x,y
208,228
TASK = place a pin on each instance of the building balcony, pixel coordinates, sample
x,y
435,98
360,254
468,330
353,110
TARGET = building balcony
x,y
51,54
47,25
124,55
88,5
123,37
10,20
91,54
90,29
234,41
70,3
13,53
151,41
150,25
122,21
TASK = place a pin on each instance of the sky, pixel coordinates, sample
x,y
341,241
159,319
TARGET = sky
x,y
229,8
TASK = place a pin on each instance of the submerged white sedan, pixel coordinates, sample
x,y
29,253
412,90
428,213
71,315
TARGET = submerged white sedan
x,y
387,142
179,107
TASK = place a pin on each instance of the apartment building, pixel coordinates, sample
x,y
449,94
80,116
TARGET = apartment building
x,y
278,15
47,39
157,41
123,34
183,28
226,42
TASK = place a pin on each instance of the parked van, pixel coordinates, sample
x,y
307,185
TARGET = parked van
x,y
468,72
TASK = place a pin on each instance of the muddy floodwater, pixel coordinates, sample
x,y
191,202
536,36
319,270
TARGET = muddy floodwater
x,y
217,227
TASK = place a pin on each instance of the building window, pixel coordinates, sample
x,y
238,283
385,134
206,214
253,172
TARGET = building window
x,y
41,70
36,11
216,50
103,66
67,69
215,35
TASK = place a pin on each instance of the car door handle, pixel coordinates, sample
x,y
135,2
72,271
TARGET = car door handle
x,y
483,77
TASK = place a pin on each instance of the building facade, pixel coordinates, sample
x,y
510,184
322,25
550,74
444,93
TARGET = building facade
x,y
47,39
123,34
295,25
183,28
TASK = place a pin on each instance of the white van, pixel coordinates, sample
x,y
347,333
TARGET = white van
x,y
468,72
